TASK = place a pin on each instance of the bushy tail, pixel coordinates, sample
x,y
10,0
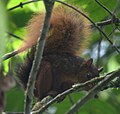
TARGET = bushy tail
x,y
68,31
24,69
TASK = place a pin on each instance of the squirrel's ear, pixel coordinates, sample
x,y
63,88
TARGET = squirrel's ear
x,y
89,62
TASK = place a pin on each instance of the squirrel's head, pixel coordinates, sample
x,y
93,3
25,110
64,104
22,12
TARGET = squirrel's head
x,y
89,71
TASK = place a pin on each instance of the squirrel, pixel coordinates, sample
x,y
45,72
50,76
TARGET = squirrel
x,y
61,65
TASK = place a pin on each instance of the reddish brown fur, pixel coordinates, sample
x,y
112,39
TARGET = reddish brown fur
x,y
68,31
44,80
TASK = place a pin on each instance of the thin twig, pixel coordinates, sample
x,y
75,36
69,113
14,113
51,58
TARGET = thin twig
x,y
38,56
72,102
21,4
104,7
70,99
118,28
93,92
113,84
112,32
108,22
99,49
15,36
9,55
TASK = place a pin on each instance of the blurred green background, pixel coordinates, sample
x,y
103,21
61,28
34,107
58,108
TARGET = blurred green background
x,y
15,21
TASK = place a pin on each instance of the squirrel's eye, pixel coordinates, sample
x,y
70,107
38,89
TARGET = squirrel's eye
x,y
89,76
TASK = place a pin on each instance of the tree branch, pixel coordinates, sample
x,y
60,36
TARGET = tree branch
x,y
38,56
104,7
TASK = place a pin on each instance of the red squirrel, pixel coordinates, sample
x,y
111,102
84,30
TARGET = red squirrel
x,y
61,65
